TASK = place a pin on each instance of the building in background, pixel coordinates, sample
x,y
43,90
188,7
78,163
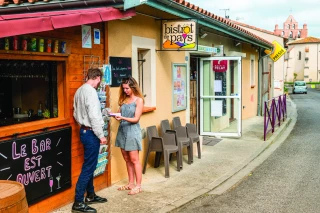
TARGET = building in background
x,y
302,60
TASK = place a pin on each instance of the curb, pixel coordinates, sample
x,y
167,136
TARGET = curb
x,y
214,185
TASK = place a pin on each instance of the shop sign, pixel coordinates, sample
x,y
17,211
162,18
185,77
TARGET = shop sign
x,y
179,35
220,65
207,49
219,50
41,162
278,51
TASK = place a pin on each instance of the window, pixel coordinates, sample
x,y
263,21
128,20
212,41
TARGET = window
x,y
293,26
288,26
144,67
299,34
299,83
28,91
282,34
299,56
252,70
291,34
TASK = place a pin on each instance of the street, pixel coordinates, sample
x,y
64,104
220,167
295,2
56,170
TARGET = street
x,y
288,181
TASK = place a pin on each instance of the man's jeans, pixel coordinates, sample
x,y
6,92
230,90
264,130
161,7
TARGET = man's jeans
x,y
91,145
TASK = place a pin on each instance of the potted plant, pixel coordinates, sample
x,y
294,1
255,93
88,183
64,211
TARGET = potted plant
x,y
46,113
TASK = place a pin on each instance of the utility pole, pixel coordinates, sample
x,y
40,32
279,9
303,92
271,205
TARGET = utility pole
x,y
225,13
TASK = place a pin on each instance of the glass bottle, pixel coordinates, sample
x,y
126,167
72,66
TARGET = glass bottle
x,y
40,109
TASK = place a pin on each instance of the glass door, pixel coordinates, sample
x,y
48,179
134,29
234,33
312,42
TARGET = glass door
x,y
220,96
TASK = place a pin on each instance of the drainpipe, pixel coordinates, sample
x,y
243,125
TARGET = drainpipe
x,y
317,62
27,8
260,79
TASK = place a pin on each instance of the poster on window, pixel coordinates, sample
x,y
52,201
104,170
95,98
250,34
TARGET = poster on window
x,y
179,87
86,36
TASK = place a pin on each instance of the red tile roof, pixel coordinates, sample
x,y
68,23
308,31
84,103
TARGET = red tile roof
x,y
309,39
220,19
254,28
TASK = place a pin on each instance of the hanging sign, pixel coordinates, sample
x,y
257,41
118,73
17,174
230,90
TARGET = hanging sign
x,y
278,51
219,65
179,35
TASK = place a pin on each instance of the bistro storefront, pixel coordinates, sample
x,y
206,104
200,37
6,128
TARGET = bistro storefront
x,y
37,89
39,74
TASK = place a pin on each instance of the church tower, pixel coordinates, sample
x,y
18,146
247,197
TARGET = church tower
x,y
291,29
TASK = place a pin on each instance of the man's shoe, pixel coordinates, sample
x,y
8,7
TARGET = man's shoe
x,y
93,198
82,207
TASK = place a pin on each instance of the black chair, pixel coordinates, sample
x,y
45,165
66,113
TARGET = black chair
x,y
192,134
181,139
165,144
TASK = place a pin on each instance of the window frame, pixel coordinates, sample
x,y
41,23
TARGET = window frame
x,y
147,44
62,94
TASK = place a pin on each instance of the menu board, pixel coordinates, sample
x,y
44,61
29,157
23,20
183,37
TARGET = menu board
x,y
121,68
179,89
41,162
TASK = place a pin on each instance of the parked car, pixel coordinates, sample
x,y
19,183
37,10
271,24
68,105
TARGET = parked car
x,y
300,87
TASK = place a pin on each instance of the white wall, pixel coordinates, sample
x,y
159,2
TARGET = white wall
x,y
307,70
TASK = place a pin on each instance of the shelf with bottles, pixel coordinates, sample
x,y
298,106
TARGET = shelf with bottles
x,y
34,45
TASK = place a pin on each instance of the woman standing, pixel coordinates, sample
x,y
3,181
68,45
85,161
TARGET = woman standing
x,y
129,132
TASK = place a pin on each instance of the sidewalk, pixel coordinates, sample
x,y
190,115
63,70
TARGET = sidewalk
x,y
218,163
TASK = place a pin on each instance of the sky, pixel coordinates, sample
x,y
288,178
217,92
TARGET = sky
x,y
266,14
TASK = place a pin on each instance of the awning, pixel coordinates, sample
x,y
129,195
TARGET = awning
x,y
19,24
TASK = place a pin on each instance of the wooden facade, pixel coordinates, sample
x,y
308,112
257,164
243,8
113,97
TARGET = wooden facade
x,y
70,78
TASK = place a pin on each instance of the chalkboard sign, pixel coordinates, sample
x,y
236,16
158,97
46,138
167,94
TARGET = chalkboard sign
x,y
120,68
41,162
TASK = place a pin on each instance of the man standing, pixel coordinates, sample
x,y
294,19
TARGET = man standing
x,y
87,112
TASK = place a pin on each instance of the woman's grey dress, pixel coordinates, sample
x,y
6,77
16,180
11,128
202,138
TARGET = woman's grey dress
x,y
129,134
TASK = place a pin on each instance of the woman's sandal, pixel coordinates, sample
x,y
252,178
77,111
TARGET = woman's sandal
x,y
130,186
135,190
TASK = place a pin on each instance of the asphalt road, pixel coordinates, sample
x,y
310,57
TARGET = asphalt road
x,y
288,181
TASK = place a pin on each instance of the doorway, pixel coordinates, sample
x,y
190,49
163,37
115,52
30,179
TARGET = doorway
x,y
220,96
194,88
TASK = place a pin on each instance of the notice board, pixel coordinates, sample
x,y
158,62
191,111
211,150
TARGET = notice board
x,y
41,162
179,87
121,68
